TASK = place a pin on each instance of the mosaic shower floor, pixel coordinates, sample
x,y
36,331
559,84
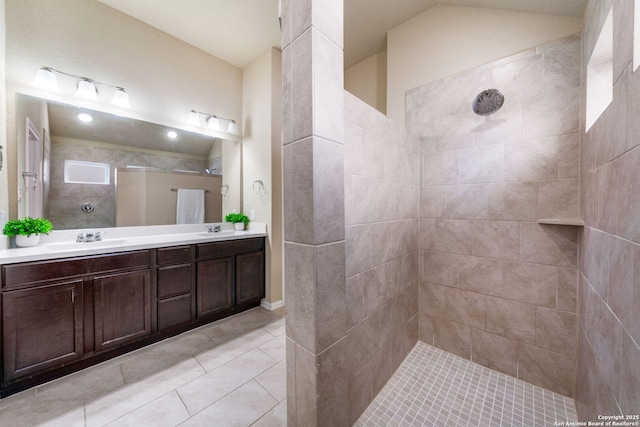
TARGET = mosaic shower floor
x,y
435,388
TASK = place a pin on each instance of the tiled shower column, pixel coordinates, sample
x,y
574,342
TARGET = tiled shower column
x,y
313,163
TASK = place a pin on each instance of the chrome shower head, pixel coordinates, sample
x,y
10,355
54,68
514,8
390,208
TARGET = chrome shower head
x,y
487,102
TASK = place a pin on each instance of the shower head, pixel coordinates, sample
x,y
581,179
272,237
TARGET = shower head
x,y
487,102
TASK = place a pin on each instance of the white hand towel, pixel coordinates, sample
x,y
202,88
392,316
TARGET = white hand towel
x,y
190,207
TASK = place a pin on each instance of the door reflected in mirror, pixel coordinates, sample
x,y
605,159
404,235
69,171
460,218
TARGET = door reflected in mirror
x,y
161,156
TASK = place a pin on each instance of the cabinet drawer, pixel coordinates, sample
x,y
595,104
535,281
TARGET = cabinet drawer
x,y
230,247
174,280
174,311
177,255
39,271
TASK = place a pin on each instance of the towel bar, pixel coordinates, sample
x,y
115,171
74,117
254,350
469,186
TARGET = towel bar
x,y
176,189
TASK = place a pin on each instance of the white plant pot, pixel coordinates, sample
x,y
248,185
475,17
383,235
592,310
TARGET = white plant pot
x,y
239,226
27,241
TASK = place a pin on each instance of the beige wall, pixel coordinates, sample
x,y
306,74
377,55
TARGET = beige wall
x,y
368,81
446,40
609,268
497,287
4,183
261,150
165,78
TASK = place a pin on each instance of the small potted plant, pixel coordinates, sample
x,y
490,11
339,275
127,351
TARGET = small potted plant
x,y
239,220
27,230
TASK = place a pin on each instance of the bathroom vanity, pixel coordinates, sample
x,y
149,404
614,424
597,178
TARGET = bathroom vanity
x,y
68,305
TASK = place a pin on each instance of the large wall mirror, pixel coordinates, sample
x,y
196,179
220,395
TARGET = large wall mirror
x,y
83,168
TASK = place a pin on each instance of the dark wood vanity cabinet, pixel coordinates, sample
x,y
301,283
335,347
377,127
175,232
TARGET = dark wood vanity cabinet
x,y
42,328
122,308
55,313
59,316
249,278
215,286
230,275
175,286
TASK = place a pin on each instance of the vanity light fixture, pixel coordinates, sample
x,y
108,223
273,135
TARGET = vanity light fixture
x,y
86,88
121,98
193,119
46,80
212,121
233,127
172,134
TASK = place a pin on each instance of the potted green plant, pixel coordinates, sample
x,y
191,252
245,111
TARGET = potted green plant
x,y
27,230
239,220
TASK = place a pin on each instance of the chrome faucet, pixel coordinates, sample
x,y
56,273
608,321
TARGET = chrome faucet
x,y
80,238
89,237
213,228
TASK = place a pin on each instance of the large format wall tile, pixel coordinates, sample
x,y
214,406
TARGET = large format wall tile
x,y
552,114
556,330
512,319
495,352
547,369
382,175
513,201
482,164
531,283
519,79
496,239
559,198
561,64
492,278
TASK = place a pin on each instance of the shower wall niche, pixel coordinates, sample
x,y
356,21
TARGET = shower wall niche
x,y
497,282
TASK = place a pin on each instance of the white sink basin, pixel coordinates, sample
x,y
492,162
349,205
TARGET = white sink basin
x,y
218,233
64,247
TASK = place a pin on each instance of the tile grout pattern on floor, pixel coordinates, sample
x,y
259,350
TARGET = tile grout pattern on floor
x,y
436,388
231,372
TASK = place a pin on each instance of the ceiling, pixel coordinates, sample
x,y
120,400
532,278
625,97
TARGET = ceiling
x,y
238,31
63,122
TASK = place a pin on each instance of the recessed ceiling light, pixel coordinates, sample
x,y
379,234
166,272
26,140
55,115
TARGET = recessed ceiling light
x,y
84,117
172,134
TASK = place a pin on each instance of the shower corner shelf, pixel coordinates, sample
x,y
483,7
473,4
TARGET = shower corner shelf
x,y
564,221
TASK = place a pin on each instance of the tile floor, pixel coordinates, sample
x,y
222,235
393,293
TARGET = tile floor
x,y
232,373
435,388
229,373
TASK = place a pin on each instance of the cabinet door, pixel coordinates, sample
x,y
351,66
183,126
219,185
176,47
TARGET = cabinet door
x,y
122,308
215,282
42,328
249,277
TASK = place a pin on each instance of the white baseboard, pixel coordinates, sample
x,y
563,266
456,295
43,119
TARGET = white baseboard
x,y
271,305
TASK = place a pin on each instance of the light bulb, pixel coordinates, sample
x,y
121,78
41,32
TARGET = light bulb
x,y
46,80
213,123
121,98
193,118
87,90
233,127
